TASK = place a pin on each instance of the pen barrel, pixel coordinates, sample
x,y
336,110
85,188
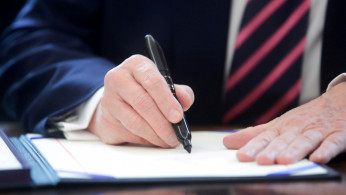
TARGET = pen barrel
x,y
180,128
170,84
155,53
182,132
169,81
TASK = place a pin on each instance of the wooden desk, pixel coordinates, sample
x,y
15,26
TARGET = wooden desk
x,y
219,188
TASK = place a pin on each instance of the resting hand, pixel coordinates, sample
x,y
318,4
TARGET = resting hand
x,y
138,107
317,128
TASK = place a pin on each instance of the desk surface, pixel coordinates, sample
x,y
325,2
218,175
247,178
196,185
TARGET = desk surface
x,y
220,188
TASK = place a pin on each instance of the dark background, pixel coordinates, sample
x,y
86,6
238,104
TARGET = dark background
x,y
8,11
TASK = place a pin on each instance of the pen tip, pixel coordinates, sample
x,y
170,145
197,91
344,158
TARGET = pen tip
x,y
188,149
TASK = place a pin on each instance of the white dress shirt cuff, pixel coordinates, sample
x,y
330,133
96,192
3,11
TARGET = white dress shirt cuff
x,y
339,79
74,128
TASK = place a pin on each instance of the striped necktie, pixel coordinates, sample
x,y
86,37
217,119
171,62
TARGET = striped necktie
x,y
265,76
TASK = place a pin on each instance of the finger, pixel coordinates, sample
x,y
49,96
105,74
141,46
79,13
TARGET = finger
x,y
275,148
185,95
117,134
146,115
300,147
147,74
119,83
256,145
155,103
134,123
330,147
242,137
111,131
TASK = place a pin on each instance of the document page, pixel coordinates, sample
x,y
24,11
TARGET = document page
x,y
7,159
208,159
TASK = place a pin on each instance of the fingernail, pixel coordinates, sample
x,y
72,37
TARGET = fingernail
x,y
250,153
318,156
190,94
174,116
172,140
271,155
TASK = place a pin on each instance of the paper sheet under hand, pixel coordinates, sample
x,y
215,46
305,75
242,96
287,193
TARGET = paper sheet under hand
x,y
208,159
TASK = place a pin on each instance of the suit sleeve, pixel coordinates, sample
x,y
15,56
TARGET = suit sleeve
x,y
49,62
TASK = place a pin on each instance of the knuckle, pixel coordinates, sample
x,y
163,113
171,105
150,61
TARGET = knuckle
x,y
149,75
312,137
143,102
338,141
152,79
107,135
265,141
135,58
269,137
109,77
133,123
309,145
284,141
114,77
134,61
298,148
162,127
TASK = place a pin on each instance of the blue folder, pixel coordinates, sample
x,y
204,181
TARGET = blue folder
x,y
37,172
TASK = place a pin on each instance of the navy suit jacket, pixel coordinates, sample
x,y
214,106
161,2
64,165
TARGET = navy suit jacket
x,y
56,53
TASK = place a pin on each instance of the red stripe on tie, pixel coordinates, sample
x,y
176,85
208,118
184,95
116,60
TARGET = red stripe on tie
x,y
257,20
266,83
258,55
283,102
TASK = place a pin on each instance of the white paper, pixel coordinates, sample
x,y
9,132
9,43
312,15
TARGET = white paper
x,y
7,159
209,158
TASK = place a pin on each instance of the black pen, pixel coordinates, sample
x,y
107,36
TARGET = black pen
x,y
156,55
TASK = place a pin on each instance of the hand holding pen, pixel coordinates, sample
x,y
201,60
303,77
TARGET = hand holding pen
x,y
137,106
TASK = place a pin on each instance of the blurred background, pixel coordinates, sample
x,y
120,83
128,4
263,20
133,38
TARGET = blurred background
x,y
8,11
